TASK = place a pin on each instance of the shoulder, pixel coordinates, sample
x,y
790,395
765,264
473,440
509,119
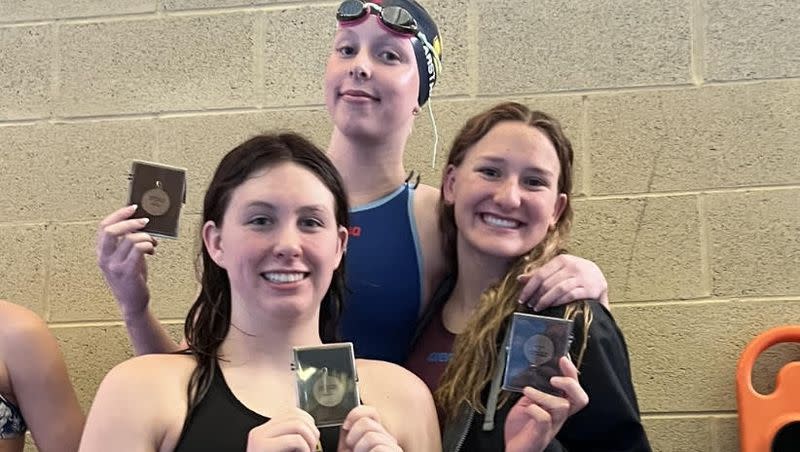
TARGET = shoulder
x,y
382,379
25,338
151,371
426,202
20,324
426,213
427,195
152,390
394,392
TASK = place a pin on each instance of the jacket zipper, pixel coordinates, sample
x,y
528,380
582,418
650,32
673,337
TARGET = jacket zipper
x,y
466,431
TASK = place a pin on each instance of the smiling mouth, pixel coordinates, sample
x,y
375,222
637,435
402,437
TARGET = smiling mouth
x,y
284,277
499,222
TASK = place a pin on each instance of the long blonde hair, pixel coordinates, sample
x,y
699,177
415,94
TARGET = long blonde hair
x,y
475,350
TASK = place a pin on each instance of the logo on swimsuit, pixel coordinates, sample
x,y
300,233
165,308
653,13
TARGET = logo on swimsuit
x,y
354,231
439,357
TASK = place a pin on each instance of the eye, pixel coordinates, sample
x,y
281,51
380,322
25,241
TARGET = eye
x,y
346,50
311,223
390,56
489,172
534,182
260,221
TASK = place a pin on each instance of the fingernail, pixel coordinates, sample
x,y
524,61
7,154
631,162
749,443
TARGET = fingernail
x,y
144,220
133,206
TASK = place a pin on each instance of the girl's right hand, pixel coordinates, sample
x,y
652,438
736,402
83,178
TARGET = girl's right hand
x,y
292,432
120,250
537,417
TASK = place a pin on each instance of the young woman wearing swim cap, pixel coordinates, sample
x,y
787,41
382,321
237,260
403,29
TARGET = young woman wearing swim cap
x,y
383,65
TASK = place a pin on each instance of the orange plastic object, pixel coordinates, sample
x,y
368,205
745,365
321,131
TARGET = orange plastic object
x,y
761,416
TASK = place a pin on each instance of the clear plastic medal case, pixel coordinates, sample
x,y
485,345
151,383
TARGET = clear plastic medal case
x,y
534,345
326,382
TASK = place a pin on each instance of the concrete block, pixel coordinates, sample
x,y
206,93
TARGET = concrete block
x,y
199,143
451,116
712,137
725,433
751,39
23,261
77,290
173,285
70,171
169,64
770,362
648,248
11,11
684,355
566,45
458,74
294,72
90,352
25,72
210,4
678,434
754,240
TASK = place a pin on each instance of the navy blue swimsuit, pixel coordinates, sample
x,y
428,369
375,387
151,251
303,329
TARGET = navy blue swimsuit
x,y
384,278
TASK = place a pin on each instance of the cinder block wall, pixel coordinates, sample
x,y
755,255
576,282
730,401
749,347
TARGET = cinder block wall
x,y
685,115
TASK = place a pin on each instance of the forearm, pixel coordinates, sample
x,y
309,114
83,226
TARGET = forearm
x,y
148,334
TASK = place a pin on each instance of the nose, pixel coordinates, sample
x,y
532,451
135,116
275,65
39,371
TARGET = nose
x,y
287,244
507,195
361,67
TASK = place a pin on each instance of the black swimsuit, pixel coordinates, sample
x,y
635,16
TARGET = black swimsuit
x,y
222,423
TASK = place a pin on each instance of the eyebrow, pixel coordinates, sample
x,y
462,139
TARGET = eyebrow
x,y
313,208
536,169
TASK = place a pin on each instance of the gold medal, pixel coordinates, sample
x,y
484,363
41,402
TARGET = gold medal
x,y
156,201
538,349
328,390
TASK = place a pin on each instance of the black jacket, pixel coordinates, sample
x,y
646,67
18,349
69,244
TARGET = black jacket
x,y
610,422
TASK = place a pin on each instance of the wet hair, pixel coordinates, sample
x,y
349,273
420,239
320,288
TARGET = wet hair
x,y
209,319
475,350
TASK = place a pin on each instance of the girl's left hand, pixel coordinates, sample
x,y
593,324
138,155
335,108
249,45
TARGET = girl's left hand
x,y
537,417
362,431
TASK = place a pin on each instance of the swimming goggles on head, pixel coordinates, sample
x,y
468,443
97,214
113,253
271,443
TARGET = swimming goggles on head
x,y
396,18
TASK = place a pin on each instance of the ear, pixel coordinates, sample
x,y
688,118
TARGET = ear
x,y
449,184
561,205
342,235
212,239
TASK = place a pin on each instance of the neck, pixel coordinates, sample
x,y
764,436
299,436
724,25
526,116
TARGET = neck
x,y
267,342
476,273
370,168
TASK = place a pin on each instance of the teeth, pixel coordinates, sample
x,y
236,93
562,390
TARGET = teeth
x,y
283,277
500,222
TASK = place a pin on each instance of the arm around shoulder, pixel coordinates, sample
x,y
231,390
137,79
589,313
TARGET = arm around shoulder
x,y
405,405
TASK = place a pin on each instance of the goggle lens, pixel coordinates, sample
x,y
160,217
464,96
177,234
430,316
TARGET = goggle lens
x,y
394,17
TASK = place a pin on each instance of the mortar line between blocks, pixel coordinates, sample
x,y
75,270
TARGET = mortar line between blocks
x,y
697,41
705,243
